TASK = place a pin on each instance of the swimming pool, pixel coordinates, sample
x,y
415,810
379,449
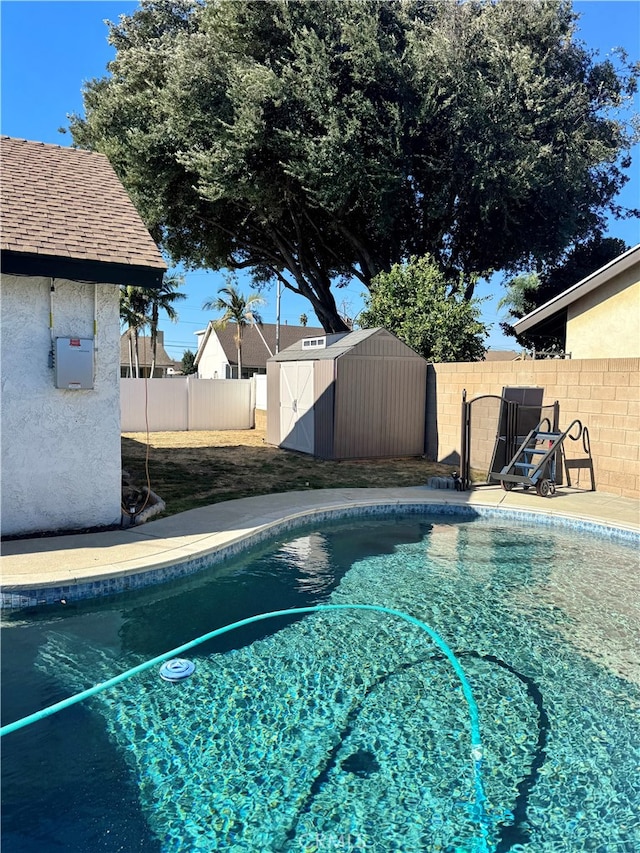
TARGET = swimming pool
x,y
341,730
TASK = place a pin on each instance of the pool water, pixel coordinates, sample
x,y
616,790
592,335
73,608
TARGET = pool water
x,y
341,730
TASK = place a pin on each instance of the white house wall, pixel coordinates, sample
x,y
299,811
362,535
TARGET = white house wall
x,y
60,449
213,363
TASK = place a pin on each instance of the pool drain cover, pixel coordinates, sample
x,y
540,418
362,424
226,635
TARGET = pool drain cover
x,y
176,669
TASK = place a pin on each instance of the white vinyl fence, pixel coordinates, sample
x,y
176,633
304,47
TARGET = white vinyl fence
x,y
186,403
261,390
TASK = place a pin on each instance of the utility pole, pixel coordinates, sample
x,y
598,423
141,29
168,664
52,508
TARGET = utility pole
x,y
278,286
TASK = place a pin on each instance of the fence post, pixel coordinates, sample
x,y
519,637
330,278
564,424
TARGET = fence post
x,y
189,379
252,403
464,474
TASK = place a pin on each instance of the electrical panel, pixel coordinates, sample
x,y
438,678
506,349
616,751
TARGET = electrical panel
x,y
73,363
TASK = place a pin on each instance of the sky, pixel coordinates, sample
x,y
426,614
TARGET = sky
x,y
50,47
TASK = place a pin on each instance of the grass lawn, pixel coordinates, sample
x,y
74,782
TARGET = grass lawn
x,y
192,469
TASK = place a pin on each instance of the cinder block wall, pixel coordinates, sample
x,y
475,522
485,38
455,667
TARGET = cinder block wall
x,y
603,393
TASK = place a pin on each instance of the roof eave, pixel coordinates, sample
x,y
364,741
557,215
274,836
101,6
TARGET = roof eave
x,y
577,291
80,269
202,344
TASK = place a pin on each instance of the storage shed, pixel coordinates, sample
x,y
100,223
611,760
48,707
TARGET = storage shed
x,y
347,396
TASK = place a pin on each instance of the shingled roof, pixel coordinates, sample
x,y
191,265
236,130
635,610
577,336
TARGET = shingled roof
x,y
66,214
145,353
254,352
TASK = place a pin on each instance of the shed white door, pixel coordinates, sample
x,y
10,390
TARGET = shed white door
x,y
296,406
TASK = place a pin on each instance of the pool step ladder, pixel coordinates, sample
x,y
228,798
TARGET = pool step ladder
x,y
536,461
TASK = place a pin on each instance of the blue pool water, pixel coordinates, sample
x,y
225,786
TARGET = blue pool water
x,y
341,730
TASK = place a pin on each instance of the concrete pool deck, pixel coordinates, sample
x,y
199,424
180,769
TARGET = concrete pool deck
x,y
65,561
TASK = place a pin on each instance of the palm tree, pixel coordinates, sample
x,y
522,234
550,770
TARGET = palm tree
x,y
134,310
237,309
162,298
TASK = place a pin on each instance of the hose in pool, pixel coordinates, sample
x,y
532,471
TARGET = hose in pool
x,y
480,815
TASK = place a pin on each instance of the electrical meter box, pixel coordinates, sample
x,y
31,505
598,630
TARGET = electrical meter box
x,y
73,363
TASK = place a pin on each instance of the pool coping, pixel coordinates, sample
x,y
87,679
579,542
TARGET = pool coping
x,y
59,570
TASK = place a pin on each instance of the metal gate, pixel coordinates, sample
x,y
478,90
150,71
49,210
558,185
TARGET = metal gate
x,y
493,427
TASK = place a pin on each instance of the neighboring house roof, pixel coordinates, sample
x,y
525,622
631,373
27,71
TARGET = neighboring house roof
x,y
66,215
254,352
502,355
560,303
336,345
145,354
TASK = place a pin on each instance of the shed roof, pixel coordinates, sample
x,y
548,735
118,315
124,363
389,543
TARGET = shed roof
x,y
560,302
68,205
337,345
254,352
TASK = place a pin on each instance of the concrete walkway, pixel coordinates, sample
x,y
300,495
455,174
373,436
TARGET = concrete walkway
x,y
67,560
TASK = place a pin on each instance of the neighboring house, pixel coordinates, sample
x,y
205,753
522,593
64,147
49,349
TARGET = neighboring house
x,y
165,366
502,355
599,316
70,237
217,354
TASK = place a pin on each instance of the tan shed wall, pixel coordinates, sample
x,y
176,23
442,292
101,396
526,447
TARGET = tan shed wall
x,y
379,406
603,393
606,321
324,392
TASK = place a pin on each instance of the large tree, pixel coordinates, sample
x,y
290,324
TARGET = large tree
x,y
317,142
415,302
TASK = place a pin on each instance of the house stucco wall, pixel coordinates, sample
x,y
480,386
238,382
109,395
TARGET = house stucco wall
x,y
61,464
606,322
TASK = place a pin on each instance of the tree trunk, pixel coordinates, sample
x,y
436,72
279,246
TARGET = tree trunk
x,y
154,337
329,319
130,355
136,353
324,305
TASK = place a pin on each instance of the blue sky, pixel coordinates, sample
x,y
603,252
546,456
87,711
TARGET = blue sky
x,y
50,47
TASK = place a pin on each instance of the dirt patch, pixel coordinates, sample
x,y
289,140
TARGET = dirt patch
x,y
192,469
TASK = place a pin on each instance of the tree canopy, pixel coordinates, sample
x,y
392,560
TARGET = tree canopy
x,y
415,302
187,365
314,143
